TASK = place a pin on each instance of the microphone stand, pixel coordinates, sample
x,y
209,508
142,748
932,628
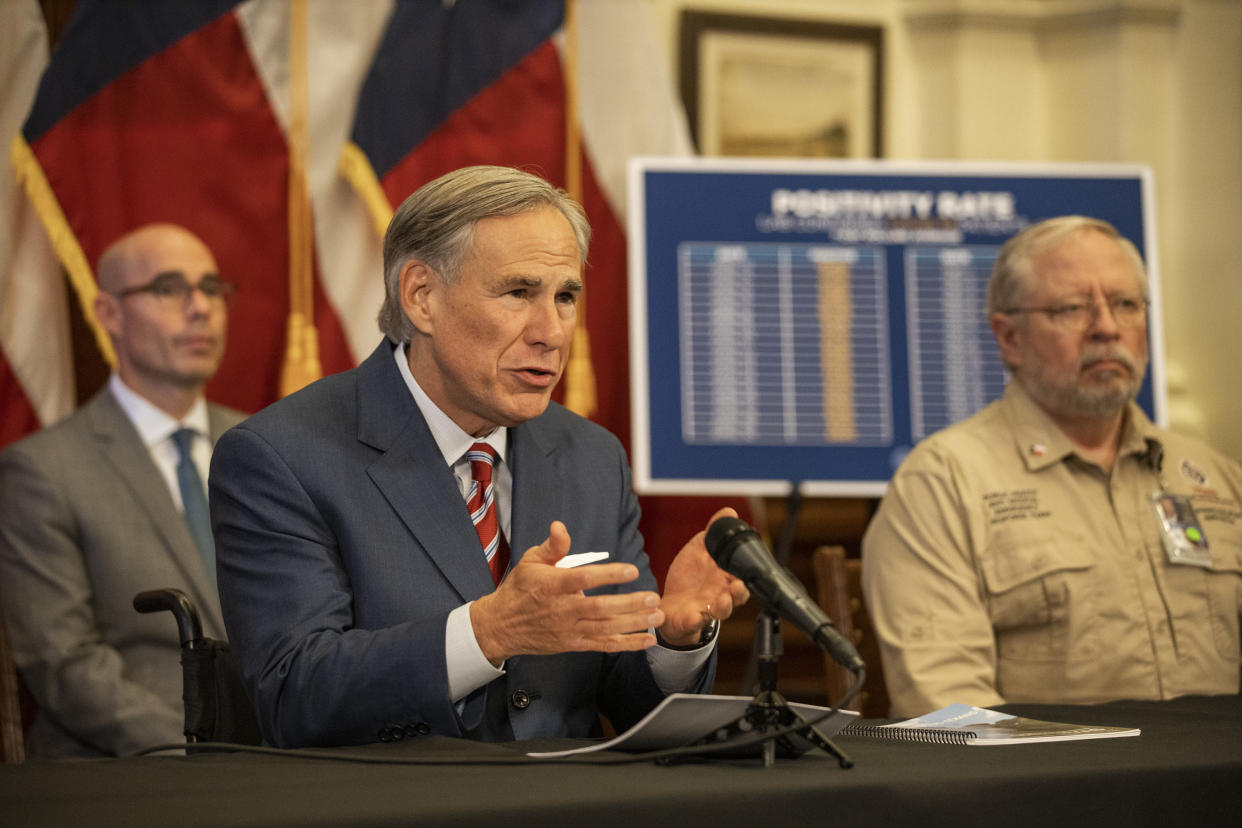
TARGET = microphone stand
x,y
769,710
782,553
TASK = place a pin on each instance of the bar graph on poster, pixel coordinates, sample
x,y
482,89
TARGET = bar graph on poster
x,y
808,322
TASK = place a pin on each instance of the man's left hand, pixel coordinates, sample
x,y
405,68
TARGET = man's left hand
x,y
696,591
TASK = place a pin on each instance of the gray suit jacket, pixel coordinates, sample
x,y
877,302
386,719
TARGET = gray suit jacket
x,y
343,543
86,521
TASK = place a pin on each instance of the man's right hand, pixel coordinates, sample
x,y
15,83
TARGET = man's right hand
x,y
540,609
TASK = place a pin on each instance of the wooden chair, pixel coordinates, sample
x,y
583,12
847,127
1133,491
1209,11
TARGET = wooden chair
x,y
12,745
838,582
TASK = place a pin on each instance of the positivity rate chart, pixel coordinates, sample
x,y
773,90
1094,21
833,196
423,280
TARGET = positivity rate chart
x,y
807,322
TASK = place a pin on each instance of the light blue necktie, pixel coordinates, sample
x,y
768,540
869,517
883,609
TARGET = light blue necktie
x,y
194,500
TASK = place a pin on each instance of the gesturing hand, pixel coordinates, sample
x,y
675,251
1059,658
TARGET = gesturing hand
x,y
540,609
696,591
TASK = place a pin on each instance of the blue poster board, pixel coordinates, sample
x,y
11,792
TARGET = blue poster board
x,y
810,321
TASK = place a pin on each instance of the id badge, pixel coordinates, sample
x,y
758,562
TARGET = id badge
x,y
1184,541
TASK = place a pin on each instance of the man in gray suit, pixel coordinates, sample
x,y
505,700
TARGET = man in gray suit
x,y
91,509
356,519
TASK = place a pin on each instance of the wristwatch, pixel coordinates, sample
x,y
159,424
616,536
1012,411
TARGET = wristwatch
x,y
706,636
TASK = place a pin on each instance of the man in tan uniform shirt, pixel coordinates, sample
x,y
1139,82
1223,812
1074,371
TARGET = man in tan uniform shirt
x,y
1019,555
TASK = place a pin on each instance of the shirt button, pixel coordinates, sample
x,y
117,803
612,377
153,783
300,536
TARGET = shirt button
x,y
520,699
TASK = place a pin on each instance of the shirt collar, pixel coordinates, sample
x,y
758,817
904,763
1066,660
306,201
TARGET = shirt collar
x,y
1142,437
1041,442
450,438
154,425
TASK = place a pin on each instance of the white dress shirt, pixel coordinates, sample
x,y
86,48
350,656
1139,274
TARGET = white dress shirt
x,y
156,428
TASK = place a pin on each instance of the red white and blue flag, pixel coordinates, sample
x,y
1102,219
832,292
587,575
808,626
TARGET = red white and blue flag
x,y
159,112
36,370
186,112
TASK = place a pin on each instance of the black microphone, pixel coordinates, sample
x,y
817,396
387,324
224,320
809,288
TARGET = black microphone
x,y
738,549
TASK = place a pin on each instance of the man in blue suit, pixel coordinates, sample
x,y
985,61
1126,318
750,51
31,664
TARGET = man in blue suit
x,y
351,518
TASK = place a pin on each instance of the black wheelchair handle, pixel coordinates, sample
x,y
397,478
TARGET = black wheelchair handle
x,y
189,629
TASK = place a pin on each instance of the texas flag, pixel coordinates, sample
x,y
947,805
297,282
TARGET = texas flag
x,y
36,379
223,115
490,82
161,112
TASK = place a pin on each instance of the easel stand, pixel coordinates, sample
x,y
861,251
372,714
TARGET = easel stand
x,y
768,710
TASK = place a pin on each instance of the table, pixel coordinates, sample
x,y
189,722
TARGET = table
x,y
1185,769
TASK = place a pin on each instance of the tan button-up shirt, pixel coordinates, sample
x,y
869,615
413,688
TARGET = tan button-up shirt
x,y
1002,567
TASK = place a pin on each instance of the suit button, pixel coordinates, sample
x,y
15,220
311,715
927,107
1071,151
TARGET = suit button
x,y
397,732
520,699
423,728
412,731
383,735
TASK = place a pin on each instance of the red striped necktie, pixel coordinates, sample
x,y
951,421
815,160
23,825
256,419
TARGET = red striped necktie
x,y
482,506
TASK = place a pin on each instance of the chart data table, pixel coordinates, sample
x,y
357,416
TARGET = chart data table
x,y
955,368
784,344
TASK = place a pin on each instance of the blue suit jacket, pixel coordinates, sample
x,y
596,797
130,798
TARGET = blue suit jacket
x,y
343,544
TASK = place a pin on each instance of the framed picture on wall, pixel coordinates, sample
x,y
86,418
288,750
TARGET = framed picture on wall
x,y
782,87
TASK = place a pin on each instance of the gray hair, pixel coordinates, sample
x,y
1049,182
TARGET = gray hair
x,y
436,225
1012,279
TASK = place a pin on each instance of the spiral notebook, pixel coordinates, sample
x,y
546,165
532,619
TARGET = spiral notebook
x,y
961,724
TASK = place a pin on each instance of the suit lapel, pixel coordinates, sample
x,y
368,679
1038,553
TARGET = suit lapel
x,y
535,500
219,420
414,478
125,452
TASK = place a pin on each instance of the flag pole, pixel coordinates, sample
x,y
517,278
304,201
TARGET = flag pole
x,y
580,396
301,365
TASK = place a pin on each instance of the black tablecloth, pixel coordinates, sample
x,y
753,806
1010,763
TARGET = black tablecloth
x,y
1185,769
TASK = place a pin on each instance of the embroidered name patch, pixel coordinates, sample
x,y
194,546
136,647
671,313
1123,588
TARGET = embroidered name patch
x,y
1018,504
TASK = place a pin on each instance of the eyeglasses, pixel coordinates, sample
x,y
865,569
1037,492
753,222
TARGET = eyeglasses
x,y
1127,311
172,289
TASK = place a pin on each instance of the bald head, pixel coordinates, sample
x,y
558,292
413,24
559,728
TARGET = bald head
x,y
133,254
161,304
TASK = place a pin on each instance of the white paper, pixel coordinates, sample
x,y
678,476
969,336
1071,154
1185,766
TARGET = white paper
x,y
580,559
683,718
